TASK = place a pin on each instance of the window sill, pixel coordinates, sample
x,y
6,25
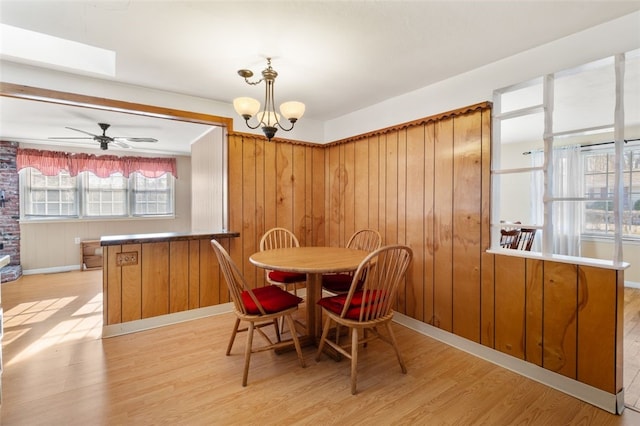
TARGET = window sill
x,y
24,221
574,260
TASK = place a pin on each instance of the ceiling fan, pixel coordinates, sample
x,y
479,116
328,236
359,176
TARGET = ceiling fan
x,y
105,140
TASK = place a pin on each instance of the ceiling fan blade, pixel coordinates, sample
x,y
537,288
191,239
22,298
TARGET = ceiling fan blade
x,y
136,139
63,137
82,131
121,144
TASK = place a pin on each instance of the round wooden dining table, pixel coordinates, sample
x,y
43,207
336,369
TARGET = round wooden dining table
x,y
313,261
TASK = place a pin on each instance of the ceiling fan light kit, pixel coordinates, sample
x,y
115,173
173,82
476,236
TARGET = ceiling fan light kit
x,y
268,119
105,140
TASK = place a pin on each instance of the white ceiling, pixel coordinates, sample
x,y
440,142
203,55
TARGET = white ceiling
x,y
336,57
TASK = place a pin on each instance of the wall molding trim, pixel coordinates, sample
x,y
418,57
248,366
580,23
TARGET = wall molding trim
x,y
631,284
162,320
418,122
52,270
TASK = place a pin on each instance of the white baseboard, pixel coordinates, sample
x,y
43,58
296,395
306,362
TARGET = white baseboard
x,y
631,284
607,401
53,270
162,320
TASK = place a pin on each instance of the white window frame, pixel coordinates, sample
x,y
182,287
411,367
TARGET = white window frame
x,y
81,201
548,137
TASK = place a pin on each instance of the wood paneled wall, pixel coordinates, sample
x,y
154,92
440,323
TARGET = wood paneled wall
x,y
563,317
423,185
427,184
274,184
169,277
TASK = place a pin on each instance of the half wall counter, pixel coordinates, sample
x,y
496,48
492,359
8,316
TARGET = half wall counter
x,y
150,280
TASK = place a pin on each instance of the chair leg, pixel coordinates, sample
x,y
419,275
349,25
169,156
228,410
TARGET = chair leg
x,y
392,337
275,323
247,354
233,336
282,320
354,359
296,342
325,332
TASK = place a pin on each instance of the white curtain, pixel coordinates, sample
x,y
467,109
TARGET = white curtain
x,y
567,215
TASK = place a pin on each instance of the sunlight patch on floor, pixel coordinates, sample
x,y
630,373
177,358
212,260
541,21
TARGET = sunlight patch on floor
x,y
35,318
34,312
93,306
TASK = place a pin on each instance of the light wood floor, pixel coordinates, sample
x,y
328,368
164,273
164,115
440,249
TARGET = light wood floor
x,y
58,371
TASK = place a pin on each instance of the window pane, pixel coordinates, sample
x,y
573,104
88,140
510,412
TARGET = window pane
x,y
105,196
585,97
152,196
49,195
599,185
522,98
527,128
518,195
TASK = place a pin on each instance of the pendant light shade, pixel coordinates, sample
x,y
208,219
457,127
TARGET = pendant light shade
x,y
246,106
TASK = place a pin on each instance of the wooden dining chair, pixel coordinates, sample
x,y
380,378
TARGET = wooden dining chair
x,y
525,239
365,239
276,238
509,238
517,239
364,310
259,307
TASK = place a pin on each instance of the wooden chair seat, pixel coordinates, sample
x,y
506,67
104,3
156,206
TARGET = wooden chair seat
x,y
272,298
337,283
282,277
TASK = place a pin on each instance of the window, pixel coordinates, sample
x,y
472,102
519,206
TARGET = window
x,y
49,195
90,196
152,196
568,187
599,184
105,196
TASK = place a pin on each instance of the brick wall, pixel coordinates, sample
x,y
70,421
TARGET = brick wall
x,y
9,211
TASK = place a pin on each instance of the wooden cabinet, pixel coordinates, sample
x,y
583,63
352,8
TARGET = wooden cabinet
x,y
91,253
151,275
563,317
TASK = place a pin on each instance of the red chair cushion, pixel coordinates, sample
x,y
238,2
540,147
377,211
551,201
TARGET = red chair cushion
x,y
337,283
272,298
335,304
287,277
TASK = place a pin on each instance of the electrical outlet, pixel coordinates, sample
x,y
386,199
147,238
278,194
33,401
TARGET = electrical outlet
x,y
76,240
126,259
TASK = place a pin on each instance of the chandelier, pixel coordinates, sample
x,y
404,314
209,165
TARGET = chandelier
x,y
268,119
